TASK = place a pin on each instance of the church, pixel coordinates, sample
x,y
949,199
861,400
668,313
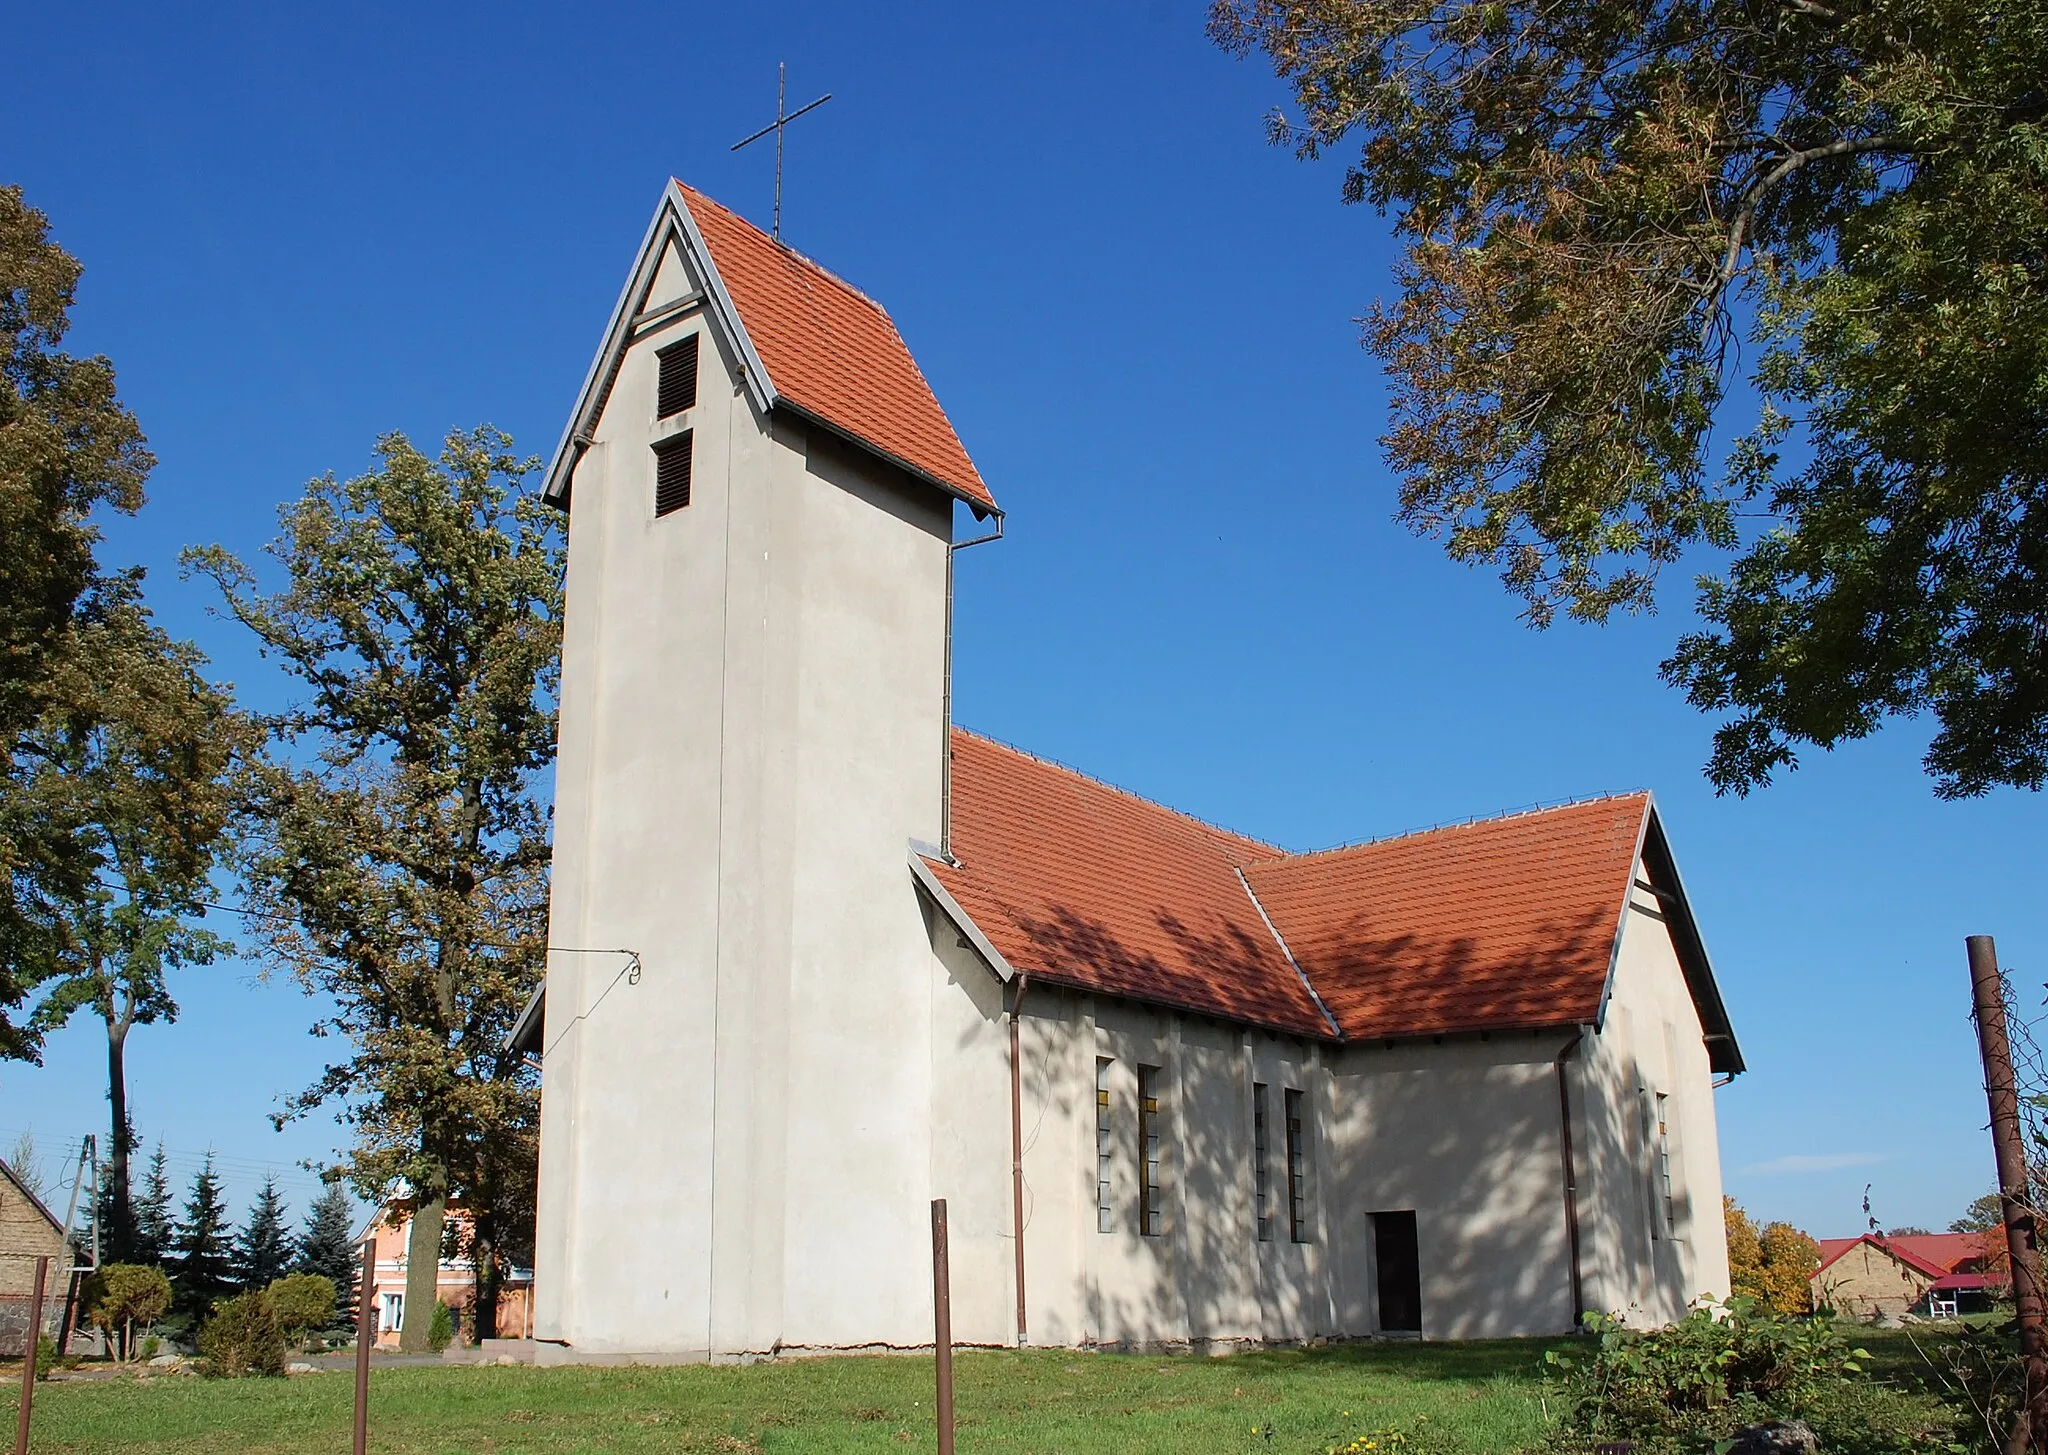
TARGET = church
x,y
820,955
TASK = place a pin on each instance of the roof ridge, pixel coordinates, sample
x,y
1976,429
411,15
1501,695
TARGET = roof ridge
x,y
1532,810
1104,783
796,254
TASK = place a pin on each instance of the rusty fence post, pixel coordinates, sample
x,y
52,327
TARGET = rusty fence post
x,y
32,1342
2001,1088
942,1324
366,1335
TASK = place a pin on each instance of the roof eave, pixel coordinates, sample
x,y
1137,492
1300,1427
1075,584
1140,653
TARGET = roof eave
x,y
672,220
1724,1056
982,505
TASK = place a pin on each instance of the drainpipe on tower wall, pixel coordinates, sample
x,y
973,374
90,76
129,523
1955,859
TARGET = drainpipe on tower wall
x,y
1571,1179
946,727
1017,1150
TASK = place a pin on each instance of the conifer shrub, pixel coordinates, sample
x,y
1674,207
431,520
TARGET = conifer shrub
x,y
1690,1386
441,1333
241,1337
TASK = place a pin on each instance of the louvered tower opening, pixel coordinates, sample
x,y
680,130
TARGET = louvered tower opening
x,y
672,473
677,390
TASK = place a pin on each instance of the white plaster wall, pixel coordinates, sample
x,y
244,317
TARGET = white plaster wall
x,y
1639,1266
751,734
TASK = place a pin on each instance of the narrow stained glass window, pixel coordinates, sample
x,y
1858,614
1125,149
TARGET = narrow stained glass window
x,y
1297,1171
1150,1219
1105,1215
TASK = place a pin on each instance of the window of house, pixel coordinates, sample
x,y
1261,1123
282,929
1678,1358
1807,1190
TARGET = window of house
x,y
1262,1173
1150,1220
1297,1170
391,1316
1669,1202
1105,1215
676,390
672,473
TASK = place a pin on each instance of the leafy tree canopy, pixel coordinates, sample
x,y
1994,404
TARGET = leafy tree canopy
x,y
1981,1216
1597,203
397,845
67,446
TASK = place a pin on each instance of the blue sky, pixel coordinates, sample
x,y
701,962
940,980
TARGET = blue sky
x,y
304,227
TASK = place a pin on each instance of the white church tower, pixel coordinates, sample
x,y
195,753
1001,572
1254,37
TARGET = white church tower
x,y
735,1120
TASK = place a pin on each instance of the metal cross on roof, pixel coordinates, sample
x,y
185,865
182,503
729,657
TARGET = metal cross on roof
x,y
781,120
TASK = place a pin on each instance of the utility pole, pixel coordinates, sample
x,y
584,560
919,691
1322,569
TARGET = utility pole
x,y
2029,1435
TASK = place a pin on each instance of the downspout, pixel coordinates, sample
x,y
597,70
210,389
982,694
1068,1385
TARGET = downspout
x,y
1571,1179
946,728
1017,1150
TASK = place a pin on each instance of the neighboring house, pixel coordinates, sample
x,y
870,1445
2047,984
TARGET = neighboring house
x,y
818,957
455,1279
28,1230
1921,1273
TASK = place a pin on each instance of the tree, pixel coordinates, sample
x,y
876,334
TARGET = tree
x,y
1790,1259
67,446
1907,1232
301,1303
1745,1254
1984,1215
28,1166
202,1258
399,862
328,1248
263,1249
154,1231
1597,203
122,1295
132,759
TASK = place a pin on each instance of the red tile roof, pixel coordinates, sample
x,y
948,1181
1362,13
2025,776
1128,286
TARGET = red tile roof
x,y
1933,1254
1081,884
1508,923
832,352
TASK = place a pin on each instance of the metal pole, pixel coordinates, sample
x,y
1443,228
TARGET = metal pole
x,y
2030,1432
28,1358
942,1325
366,1335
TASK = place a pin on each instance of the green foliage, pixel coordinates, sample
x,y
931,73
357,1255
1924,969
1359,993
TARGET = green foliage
x,y
67,446
122,1296
441,1332
240,1337
1596,202
327,1247
132,763
262,1248
154,1230
202,1259
148,1348
397,842
1684,1387
47,1357
301,1303
1981,1216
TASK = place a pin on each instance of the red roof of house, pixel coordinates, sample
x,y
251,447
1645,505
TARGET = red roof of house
x,y
832,352
1933,1254
1508,923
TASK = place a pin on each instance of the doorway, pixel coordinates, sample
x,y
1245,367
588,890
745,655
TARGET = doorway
x,y
1397,1272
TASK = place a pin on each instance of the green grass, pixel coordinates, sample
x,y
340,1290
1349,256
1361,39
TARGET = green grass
x,y
1480,1397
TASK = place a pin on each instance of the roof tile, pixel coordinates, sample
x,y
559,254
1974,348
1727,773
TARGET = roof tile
x,y
832,351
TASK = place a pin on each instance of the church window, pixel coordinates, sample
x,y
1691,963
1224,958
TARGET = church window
x,y
1105,1216
1669,1202
1297,1171
672,473
1262,1159
1150,1212
677,389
